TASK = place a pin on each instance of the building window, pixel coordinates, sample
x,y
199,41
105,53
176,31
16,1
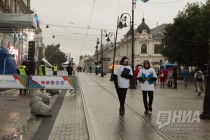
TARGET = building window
x,y
143,48
158,48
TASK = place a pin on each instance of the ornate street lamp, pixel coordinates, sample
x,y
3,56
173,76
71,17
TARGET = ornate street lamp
x,y
122,24
102,59
109,35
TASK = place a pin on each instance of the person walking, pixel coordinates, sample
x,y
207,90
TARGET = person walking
x,y
136,72
199,78
174,76
147,76
90,68
69,69
163,77
122,76
23,70
42,70
185,76
169,77
55,69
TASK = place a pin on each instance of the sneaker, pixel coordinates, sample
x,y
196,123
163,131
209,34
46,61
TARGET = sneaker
x,y
146,112
122,111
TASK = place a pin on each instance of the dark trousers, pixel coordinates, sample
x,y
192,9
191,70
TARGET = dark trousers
x,y
121,92
150,94
54,72
175,82
170,84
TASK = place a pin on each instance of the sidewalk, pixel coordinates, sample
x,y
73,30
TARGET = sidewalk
x,y
102,107
15,116
103,113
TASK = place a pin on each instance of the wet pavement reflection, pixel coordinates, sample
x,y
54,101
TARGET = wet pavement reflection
x,y
18,133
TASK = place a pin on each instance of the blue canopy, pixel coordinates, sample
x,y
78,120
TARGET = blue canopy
x,y
7,62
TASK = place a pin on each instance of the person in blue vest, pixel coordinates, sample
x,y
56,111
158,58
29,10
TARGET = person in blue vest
x,y
185,75
23,70
55,69
42,70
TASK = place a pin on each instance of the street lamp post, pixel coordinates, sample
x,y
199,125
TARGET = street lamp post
x,y
206,103
102,59
115,46
97,56
122,24
115,42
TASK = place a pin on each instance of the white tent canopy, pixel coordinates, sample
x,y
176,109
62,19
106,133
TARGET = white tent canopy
x,y
47,64
66,63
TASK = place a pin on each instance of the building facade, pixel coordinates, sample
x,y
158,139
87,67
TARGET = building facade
x,y
147,46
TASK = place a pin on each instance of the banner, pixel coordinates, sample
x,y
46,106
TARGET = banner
x,y
52,82
13,81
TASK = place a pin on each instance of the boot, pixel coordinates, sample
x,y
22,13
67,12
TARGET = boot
x,y
122,111
150,109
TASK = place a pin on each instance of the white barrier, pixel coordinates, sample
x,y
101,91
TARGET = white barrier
x,y
52,82
13,81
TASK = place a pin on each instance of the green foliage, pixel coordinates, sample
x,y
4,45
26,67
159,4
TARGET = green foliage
x,y
54,55
186,40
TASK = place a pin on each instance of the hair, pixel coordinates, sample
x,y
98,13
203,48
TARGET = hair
x,y
146,62
123,59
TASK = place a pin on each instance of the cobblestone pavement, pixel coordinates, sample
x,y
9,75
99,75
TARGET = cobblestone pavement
x,y
70,123
95,114
103,114
102,105
15,115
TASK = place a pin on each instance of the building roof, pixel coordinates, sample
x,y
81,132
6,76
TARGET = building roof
x,y
159,30
143,26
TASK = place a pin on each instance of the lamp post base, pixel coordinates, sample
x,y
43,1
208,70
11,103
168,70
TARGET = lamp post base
x,y
205,116
111,77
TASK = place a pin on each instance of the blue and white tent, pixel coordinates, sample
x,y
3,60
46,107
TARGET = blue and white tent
x,y
7,62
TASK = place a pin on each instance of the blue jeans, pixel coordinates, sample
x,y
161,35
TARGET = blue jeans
x,y
185,81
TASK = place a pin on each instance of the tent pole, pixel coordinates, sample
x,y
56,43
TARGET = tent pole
x,y
4,65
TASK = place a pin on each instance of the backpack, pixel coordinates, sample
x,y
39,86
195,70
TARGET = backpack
x,y
199,77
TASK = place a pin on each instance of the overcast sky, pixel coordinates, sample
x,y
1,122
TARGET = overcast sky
x,y
76,24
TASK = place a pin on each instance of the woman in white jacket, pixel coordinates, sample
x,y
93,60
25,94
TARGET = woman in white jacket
x,y
122,76
147,76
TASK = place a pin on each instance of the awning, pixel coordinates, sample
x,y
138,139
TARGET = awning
x,y
10,22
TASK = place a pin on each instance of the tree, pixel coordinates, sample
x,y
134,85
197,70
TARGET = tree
x,y
54,55
186,40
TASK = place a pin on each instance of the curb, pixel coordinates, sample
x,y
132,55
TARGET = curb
x,y
91,134
9,91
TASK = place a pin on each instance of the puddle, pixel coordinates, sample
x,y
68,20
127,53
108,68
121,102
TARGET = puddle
x,y
18,133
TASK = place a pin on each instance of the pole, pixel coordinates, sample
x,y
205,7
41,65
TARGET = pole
x,y
115,46
102,72
206,103
96,62
132,81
